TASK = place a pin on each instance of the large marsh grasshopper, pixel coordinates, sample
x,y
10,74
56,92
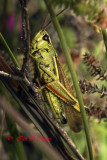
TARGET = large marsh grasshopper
x,y
54,85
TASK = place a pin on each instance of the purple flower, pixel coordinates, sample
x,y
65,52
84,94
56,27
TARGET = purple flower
x,y
10,22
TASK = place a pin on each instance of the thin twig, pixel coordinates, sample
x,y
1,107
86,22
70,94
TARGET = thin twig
x,y
26,35
18,78
69,142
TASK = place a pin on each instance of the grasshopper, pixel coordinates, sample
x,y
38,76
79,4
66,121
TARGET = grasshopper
x,y
54,85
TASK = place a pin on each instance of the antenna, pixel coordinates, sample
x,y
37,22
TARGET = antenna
x,y
51,20
44,21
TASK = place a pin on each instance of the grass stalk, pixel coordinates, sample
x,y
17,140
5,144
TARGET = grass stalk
x,y
4,43
73,73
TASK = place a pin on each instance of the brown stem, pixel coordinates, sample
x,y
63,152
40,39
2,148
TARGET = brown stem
x,y
26,35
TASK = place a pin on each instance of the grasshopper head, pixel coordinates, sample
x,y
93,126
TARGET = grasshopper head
x,y
41,41
41,46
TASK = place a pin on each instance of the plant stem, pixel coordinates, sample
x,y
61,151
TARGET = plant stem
x,y
9,50
73,73
26,35
104,33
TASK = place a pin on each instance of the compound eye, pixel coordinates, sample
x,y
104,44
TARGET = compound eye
x,y
46,38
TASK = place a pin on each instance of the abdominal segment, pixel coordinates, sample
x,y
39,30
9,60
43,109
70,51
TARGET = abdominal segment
x,y
55,105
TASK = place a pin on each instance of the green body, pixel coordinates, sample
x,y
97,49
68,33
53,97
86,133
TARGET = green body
x,y
54,90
